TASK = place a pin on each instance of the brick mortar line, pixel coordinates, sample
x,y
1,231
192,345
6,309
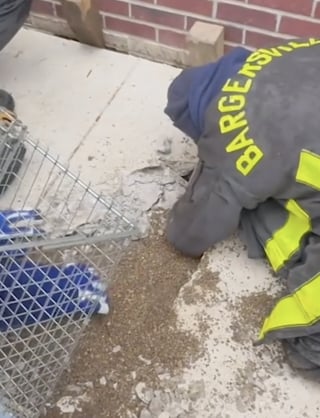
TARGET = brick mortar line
x,y
245,5
216,21
120,17
107,32
174,48
244,35
156,6
230,2
41,15
182,31
314,6
235,44
171,10
145,23
271,10
153,6
214,9
54,3
278,22
149,41
229,43
185,23
55,6
250,28
122,35
152,42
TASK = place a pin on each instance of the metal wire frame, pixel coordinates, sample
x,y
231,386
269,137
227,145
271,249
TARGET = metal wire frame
x,y
79,226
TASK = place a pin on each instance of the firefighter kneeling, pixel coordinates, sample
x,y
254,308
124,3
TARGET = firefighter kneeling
x,y
255,118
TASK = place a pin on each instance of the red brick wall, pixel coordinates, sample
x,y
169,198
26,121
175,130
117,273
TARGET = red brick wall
x,y
250,22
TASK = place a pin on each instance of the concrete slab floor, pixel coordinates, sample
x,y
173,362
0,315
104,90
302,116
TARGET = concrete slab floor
x,y
95,108
90,105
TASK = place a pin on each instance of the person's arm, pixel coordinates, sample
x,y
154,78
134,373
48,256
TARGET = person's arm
x,y
203,216
13,15
295,319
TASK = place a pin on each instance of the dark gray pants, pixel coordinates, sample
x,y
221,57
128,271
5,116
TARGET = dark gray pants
x,y
13,14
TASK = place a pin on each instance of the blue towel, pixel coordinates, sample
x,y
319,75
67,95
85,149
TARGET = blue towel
x,y
32,293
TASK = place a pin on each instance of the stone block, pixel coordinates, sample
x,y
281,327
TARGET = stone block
x,y
84,20
205,43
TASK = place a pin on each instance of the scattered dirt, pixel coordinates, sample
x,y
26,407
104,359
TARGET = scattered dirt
x,y
137,342
202,288
251,311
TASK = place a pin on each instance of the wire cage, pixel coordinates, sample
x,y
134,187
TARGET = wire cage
x,y
59,241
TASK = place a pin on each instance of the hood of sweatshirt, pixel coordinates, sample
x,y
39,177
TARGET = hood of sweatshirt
x,y
190,94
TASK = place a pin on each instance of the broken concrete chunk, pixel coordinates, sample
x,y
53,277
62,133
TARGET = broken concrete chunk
x,y
205,43
196,390
157,405
88,385
103,381
145,395
166,147
74,389
144,360
164,415
145,414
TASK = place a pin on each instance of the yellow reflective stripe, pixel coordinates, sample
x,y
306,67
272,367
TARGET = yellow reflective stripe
x,y
300,309
309,169
285,242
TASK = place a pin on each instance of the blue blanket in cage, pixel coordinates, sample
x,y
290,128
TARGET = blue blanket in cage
x,y
32,293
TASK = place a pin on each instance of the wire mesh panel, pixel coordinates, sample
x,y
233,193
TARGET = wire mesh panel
x,y
59,241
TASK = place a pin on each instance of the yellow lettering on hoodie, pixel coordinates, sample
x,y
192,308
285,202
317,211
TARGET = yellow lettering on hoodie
x,y
260,58
272,51
296,45
250,70
314,41
249,159
231,103
234,86
240,141
229,123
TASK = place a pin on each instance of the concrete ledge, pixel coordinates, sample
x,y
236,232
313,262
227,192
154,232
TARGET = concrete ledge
x,y
53,25
114,40
146,49
205,42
